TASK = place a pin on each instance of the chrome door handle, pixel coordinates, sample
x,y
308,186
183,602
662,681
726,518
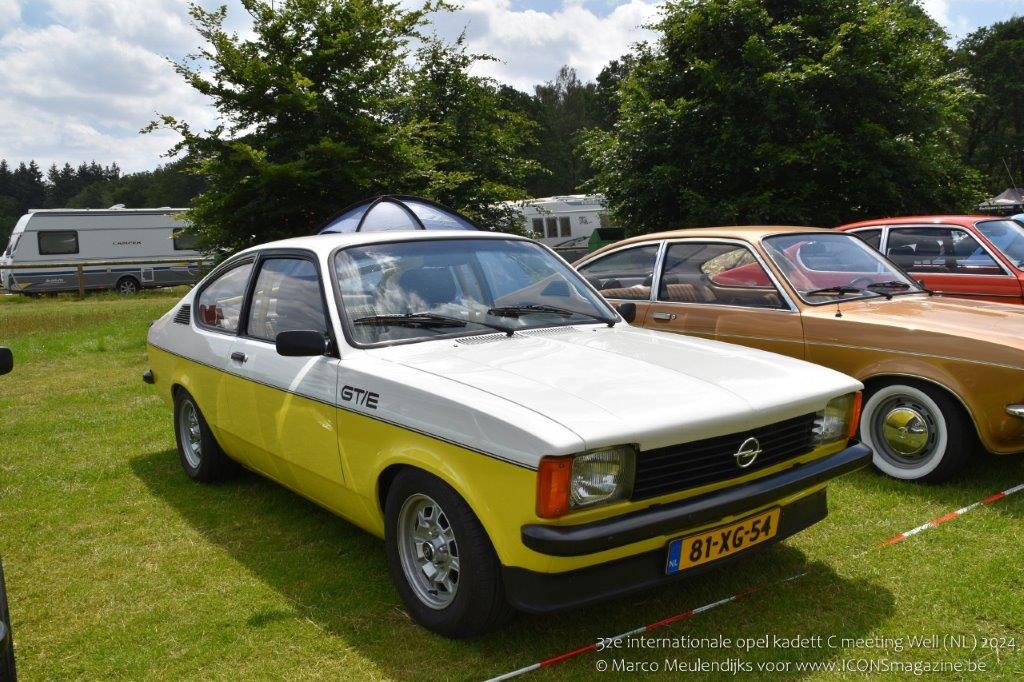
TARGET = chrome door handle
x,y
238,356
667,317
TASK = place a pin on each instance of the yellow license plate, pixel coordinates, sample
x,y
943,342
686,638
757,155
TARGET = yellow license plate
x,y
718,543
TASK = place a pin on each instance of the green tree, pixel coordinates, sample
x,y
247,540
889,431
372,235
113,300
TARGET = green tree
x,y
566,107
786,111
324,105
993,56
474,146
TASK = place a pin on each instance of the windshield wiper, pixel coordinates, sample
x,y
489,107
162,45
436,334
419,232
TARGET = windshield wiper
x,y
520,310
891,284
426,321
838,290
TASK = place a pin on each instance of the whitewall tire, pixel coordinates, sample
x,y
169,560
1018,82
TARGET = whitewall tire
x,y
917,432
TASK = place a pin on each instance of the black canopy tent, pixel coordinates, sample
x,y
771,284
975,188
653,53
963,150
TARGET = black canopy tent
x,y
1010,201
396,212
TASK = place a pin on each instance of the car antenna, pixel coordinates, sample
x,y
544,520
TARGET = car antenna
x,y
839,311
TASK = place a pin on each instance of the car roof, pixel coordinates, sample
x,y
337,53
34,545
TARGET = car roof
x,y
328,241
965,219
750,233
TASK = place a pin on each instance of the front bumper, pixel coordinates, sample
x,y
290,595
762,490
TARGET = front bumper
x,y
537,592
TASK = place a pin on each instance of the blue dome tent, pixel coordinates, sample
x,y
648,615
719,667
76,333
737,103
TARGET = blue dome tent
x,y
397,212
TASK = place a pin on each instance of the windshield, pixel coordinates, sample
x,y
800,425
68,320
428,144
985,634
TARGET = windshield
x,y
825,267
416,290
1007,236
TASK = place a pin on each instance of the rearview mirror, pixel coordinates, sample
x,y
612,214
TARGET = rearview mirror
x,y
301,343
6,360
628,311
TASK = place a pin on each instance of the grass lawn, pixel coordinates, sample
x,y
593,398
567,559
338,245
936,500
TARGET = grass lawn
x,y
118,566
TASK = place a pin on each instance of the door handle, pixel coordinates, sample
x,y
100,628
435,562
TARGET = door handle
x,y
239,356
665,317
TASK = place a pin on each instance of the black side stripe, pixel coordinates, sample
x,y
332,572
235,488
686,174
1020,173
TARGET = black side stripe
x,y
349,409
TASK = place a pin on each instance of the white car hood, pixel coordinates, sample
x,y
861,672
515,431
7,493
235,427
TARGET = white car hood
x,y
628,385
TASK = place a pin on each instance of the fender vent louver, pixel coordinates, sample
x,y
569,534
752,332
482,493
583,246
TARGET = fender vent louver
x,y
184,314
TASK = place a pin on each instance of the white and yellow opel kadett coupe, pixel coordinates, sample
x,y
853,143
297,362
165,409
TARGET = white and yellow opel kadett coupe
x,y
471,399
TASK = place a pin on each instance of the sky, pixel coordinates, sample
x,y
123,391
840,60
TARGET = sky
x,y
80,78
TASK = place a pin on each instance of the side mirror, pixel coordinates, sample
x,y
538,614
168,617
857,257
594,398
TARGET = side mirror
x,y
6,360
301,343
628,311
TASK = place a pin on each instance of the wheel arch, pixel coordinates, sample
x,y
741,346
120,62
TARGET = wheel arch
x,y
488,509
888,377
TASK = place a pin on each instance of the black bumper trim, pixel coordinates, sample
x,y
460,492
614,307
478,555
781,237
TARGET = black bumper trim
x,y
663,519
536,592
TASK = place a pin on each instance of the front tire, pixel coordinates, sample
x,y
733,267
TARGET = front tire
x,y
917,432
201,457
440,558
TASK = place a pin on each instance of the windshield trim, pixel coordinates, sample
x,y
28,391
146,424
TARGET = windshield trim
x,y
916,287
462,333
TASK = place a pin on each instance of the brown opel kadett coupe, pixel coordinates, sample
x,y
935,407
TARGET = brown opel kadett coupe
x,y
940,373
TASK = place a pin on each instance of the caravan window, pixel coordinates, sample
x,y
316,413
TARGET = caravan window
x,y
552,227
185,241
564,227
13,245
538,227
58,243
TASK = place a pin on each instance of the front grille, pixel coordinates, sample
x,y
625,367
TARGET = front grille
x,y
184,314
678,467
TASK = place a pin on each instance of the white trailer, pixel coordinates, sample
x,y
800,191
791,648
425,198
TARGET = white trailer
x,y
69,236
554,220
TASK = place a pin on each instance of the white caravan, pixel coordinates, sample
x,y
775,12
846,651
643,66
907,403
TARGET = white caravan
x,y
554,220
69,236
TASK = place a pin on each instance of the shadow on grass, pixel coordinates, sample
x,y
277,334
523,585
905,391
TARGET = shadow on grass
x,y
983,475
335,575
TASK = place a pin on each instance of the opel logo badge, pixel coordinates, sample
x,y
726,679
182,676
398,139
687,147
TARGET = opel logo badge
x,y
748,453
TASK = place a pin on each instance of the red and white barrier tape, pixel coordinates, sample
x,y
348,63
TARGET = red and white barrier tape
x,y
683,615
952,515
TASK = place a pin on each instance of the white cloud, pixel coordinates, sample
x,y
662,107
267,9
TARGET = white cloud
x,y
531,45
10,13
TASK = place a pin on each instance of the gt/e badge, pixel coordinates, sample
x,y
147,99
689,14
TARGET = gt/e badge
x,y
360,396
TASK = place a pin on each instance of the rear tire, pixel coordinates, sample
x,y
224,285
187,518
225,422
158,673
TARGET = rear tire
x,y
440,558
201,457
128,286
917,431
7,670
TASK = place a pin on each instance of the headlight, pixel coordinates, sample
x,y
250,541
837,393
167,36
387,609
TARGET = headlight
x,y
584,480
839,420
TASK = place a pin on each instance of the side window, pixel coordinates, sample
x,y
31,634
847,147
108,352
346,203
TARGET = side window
x,y
939,250
564,227
624,274
538,227
220,302
720,274
58,242
286,298
872,238
552,224
184,241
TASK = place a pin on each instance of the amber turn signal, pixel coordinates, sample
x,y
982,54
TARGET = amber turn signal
x,y
553,486
858,403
